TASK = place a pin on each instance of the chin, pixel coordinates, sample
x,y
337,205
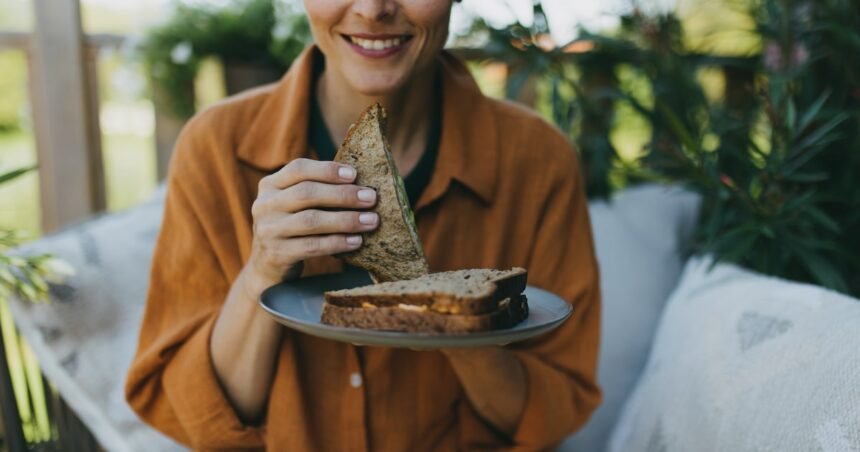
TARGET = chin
x,y
376,86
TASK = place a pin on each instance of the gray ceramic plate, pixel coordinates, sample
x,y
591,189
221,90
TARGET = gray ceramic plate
x,y
298,304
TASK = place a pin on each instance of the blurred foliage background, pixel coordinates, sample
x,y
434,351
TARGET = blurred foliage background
x,y
752,103
769,136
264,33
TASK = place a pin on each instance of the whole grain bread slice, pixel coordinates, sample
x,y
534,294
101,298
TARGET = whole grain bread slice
x,y
474,291
508,313
393,251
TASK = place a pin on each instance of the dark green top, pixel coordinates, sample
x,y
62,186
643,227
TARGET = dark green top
x,y
417,179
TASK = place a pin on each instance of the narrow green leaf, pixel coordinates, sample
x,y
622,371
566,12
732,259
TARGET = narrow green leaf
x,y
807,177
821,270
6,277
821,132
823,219
677,126
740,248
799,201
15,174
638,106
28,292
796,161
846,36
790,117
812,112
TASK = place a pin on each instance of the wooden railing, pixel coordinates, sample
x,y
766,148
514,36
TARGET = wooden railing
x,y
63,89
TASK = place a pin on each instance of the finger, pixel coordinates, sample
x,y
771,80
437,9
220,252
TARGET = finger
x,y
318,222
302,248
315,195
303,169
314,222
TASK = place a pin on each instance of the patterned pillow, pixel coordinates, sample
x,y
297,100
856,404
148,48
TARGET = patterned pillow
x,y
85,339
743,362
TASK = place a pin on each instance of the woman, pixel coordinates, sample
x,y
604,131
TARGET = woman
x,y
253,199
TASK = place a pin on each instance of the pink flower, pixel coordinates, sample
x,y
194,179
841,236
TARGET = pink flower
x,y
773,61
772,56
800,56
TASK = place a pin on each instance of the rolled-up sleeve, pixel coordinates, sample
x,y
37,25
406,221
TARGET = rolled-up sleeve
x,y
171,384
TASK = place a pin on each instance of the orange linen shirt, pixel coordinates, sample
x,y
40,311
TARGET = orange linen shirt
x,y
506,191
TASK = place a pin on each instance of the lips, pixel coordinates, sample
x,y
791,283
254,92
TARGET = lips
x,y
377,46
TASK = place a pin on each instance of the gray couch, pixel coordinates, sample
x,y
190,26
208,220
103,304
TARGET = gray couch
x,y
85,339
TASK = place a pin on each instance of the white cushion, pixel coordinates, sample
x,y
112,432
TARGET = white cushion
x,y
639,236
744,362
86,337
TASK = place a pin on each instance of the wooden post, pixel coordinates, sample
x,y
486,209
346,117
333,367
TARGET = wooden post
x,y
597,112
65,116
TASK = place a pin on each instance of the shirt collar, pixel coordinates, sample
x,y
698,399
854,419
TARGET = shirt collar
x,y
468,151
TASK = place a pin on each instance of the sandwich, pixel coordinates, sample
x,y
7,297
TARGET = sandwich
x,y
393,251
461,301
406,296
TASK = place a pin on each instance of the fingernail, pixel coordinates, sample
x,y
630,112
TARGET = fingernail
x,y
367,218
353,239
346,172
366,195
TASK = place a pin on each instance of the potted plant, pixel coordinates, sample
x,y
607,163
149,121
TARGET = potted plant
x,y
25,277
776,159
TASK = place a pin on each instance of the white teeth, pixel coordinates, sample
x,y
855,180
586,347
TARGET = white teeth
x,y
376,44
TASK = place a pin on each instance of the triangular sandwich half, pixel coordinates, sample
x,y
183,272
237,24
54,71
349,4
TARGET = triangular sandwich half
x,y
393,251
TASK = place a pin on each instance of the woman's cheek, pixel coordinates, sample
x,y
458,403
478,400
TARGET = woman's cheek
x,y
431,16
323,15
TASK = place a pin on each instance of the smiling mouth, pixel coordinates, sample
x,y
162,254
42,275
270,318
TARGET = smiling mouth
x,y
378,44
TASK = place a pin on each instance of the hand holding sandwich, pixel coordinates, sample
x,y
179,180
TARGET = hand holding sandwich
x,y
308,208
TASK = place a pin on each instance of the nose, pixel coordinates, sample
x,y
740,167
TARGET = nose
x,y
374,9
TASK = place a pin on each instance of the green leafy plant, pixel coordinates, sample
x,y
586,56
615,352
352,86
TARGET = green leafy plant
x,y
774,159
267,33
25,277
575,87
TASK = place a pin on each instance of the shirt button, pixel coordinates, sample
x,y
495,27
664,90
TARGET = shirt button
x,y
355,380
